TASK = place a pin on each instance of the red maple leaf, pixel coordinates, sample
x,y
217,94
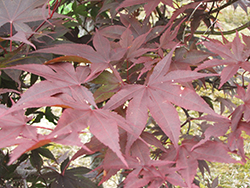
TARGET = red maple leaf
x,y
235,55
13,125
157,95
145,169
220,128
187,159
149,5
34,141
139,28
60,78
245,96
100,58
103,124
133,45
22,11
135,26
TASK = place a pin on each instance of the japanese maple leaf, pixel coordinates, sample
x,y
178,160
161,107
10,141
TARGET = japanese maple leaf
x,y
15,130
145,169
133,45
154,177
242,111
103,124
187,159
20,36
245,96
139,28
94,145
219,128
224,102
34,141
157,96
100,59
184,58
21,11
73,177
60,78
167,39
243,4
147,62
149,5
13,125
235,55
136,27
109,85
236,141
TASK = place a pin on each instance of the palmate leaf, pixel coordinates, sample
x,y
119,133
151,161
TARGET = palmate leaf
x,y
109,85
33,141
20,36
135,26
100,58
60,78
157,96
243,4
71,178
149,5
133,45
103,124
13,125
245,96
18,12
145,169
218,129
187,159
235,55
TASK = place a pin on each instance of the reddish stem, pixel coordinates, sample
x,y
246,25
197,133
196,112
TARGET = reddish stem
x,y
11,33
127,73
46,128
49,17
5,51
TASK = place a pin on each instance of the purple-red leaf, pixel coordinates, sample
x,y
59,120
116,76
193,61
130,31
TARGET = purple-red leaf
x,y
234,54
60,77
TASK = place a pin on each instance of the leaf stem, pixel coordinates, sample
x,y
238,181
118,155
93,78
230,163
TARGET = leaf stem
x,y
49,17
11,33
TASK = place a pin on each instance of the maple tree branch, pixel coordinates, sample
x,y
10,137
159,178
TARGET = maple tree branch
x,y
213,24
243,80
212,32
189,118
209,12
161,16
222,7
229,32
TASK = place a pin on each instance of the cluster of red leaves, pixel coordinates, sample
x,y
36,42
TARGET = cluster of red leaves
x,y
118,111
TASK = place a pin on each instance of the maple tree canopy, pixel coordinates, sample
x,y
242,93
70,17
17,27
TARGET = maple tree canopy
x,y
142,77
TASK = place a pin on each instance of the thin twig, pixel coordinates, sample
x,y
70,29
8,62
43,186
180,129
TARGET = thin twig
x,y
222,7
229,32
189,18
